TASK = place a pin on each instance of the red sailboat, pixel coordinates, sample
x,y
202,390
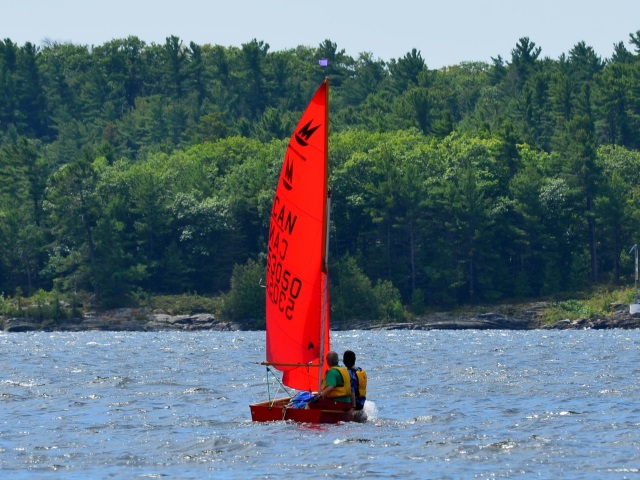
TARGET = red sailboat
x,y
297,286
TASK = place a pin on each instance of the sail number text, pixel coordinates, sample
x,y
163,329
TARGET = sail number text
x,y
282,288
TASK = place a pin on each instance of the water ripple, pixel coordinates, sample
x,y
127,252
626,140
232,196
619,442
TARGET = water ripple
x,y
444,404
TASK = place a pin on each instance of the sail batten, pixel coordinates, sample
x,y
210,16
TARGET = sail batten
x,y
297,287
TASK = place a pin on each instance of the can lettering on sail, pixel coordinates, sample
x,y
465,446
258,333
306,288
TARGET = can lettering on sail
x,y
283,217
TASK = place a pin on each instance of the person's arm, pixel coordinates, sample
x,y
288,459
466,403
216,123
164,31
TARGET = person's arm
x,y
327,390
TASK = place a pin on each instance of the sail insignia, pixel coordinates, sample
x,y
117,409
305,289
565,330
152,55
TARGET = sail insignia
x,y
304,134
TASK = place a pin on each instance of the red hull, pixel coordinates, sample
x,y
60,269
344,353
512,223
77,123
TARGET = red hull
x,y
276,411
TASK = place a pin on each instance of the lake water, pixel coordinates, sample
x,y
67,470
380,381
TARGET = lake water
x,y
444,405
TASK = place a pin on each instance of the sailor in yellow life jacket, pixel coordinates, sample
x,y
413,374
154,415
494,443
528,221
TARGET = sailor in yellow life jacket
x,y
336,387
358,379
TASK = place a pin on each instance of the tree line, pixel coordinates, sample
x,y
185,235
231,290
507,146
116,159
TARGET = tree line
x,y
132,169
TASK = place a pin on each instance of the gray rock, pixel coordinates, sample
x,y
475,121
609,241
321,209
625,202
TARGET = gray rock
x,y
21,324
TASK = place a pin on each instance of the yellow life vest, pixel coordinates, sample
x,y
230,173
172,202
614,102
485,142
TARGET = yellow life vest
x,y
343,390
362,383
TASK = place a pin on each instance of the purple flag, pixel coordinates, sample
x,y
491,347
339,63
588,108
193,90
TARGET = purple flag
x,y
323,62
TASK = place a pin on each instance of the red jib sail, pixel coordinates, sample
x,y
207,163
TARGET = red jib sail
x,y
297,284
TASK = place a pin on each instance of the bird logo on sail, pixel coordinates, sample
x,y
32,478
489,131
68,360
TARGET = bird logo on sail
x,y
304,134
302,137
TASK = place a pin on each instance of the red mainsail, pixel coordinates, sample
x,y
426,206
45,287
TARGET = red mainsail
x,y
297,284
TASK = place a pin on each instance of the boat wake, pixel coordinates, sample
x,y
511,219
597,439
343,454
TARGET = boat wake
x,y
371,410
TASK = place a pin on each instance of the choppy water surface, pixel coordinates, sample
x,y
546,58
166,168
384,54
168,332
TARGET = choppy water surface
x,y
449,404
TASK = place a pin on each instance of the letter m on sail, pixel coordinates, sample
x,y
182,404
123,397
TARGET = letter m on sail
x,y
287,178
304,134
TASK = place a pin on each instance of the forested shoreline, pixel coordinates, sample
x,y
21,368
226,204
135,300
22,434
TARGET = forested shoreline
x,y
131,170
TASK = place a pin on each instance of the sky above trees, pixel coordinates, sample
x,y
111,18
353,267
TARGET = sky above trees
x,y
447,33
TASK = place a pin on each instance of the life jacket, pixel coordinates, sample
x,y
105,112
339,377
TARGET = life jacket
x,y
362,382
343,390
359,383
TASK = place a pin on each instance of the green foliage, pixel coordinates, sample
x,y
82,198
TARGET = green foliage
x,y
352,295
417,305
355,298
132,167
246,298
4,305
570,309
41,305
388,302
598,303
185,304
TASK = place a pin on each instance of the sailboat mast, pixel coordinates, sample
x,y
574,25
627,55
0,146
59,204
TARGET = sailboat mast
x,y
325,260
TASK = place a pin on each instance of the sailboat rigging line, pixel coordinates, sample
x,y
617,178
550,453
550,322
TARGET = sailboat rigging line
x,y
269,371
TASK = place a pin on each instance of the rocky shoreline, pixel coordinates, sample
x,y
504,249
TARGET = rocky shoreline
x,y
123,320
506,317
503,317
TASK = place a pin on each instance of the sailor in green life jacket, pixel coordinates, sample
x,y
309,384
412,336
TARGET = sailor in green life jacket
x,y
358,379
335,393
